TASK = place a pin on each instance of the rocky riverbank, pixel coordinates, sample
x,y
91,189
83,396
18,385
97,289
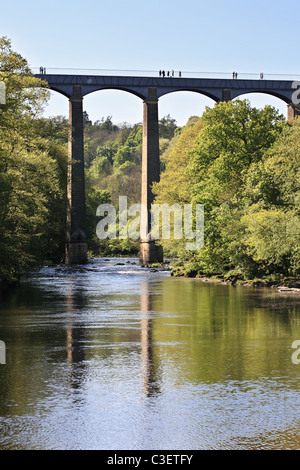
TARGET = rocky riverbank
x,y
282,284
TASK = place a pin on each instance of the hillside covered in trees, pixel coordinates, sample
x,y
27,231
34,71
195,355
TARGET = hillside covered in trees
x,y
243,164
113,159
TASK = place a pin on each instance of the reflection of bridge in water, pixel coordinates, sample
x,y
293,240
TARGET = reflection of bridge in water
x,y
149,367
149,89
76,302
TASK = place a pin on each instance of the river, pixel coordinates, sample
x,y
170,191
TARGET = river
x,y
112,355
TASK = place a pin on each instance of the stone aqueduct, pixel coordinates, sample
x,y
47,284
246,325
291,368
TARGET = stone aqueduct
x,y
149,89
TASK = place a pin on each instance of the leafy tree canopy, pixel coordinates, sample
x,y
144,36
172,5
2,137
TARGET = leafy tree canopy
x,y
33,162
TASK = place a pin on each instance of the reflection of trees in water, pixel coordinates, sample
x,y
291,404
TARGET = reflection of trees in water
x,y
212,332
223,332
39,338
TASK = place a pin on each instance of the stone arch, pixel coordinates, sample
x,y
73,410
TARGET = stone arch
x,y
58,100
185,104
61,92
273,94
209,94
86,91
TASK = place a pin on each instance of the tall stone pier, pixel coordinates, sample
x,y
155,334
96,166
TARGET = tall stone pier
x,y
150,251
76,244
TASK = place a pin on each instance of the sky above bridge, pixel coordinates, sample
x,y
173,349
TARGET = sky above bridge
x,y
141,37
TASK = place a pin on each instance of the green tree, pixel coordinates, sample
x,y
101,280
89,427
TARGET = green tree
x,y
209,164
235,137
94,197
173,187
272,197
167,127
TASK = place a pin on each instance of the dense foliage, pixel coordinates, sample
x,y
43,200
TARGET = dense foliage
x,y
113,156
243,165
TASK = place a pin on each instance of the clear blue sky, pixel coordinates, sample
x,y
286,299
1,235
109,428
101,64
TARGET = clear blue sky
x,y
188,35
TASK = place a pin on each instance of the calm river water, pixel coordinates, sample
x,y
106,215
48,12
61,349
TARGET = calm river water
x,y
111,356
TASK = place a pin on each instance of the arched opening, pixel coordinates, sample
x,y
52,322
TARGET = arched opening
x,y
122,106
181,105
260,100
